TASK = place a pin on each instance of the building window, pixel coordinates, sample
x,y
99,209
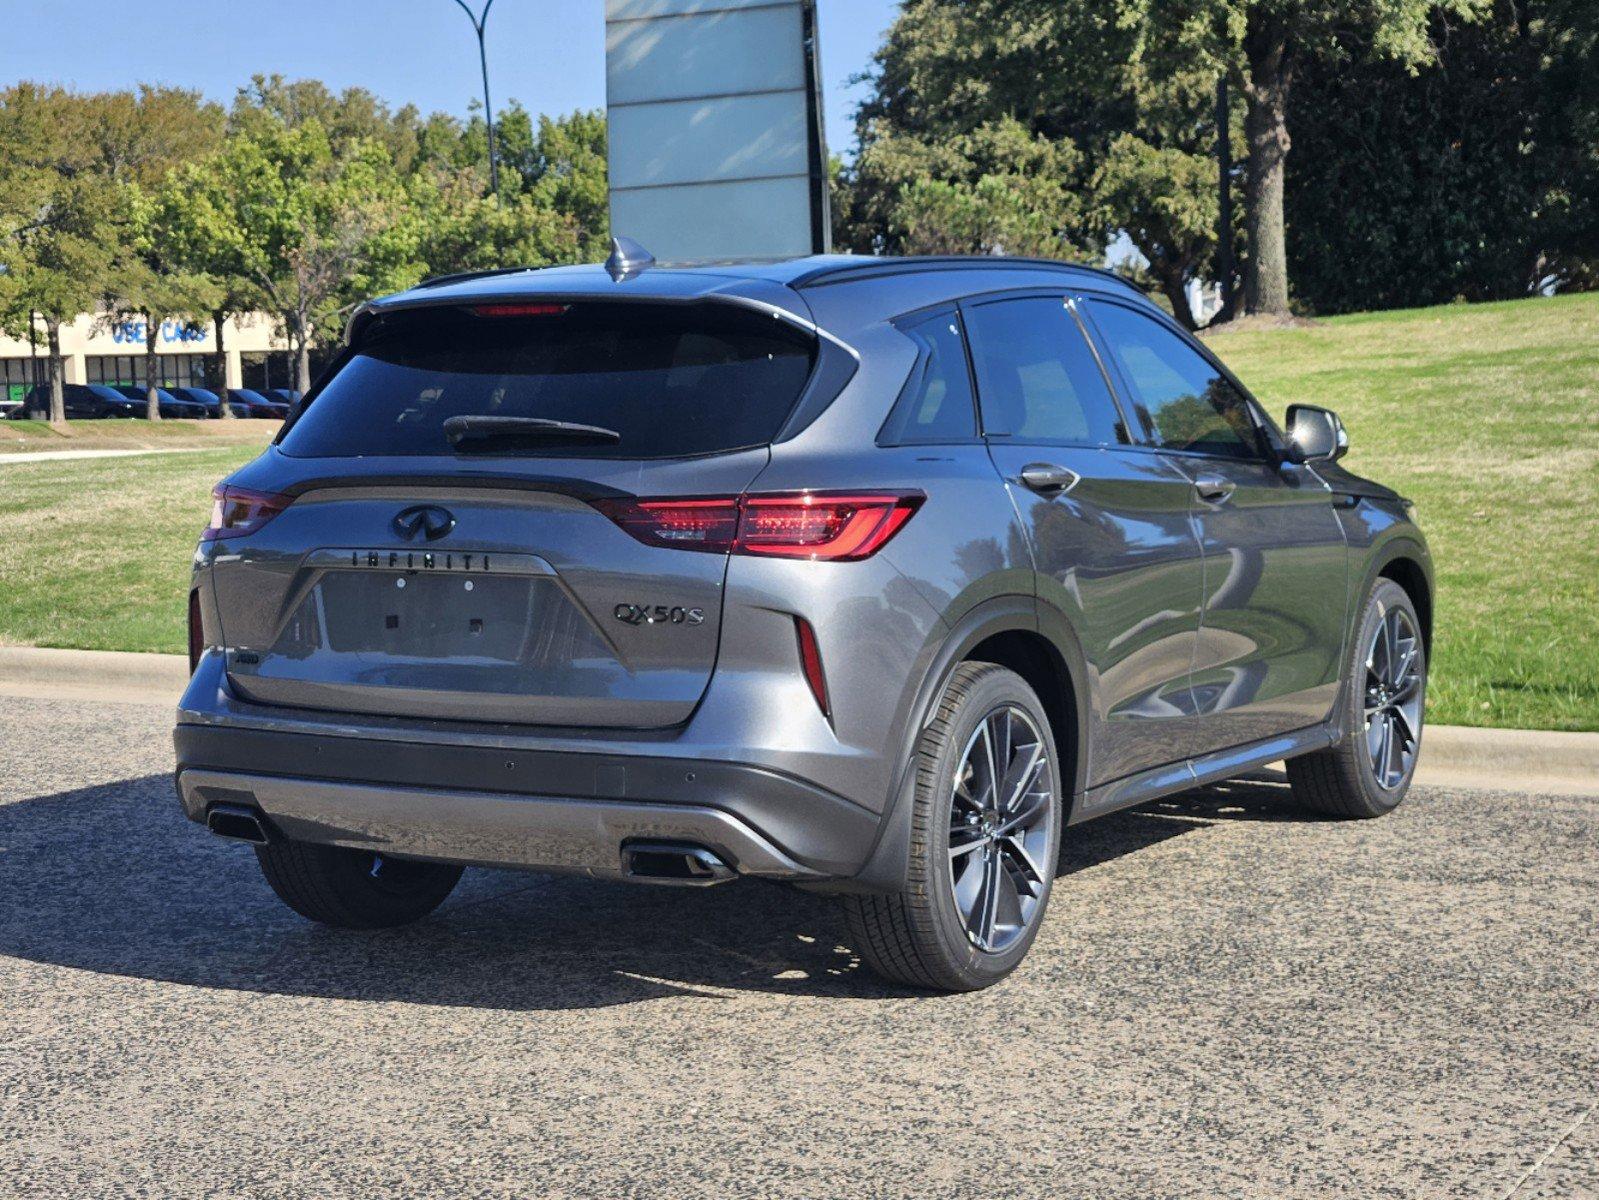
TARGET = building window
x,y
172,370
263,369
17,375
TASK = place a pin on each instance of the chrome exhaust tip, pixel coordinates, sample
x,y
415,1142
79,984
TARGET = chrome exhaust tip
x,y
238,823
675,864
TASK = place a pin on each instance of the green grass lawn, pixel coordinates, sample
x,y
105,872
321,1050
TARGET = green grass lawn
x,y
17,437
94,553
1486,416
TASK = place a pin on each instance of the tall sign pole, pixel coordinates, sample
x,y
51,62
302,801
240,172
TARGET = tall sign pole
x,y
479,26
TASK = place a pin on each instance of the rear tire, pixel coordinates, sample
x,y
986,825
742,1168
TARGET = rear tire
x,y
354,889
1365,776
982,860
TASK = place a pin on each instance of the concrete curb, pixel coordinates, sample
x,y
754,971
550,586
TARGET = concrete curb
x,y
1452,756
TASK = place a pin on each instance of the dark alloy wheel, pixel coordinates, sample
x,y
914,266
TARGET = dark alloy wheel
x,y
984,839
1001,827
1385,692
1393,698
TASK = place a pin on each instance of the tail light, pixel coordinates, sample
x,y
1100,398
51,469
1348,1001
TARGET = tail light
x,y
237,512
821,526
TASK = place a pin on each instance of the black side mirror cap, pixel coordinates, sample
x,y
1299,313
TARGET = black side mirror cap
x,y
1315,434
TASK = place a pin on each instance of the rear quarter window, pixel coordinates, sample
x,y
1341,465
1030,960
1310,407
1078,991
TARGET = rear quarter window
x,y
672,380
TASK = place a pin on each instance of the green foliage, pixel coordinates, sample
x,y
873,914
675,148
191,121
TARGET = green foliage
x,y
1033,128
1471,177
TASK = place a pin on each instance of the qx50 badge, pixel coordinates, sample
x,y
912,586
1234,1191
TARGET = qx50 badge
x,y
658,614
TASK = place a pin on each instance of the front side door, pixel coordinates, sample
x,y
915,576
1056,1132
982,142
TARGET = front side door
x,y
1113,547
1271,636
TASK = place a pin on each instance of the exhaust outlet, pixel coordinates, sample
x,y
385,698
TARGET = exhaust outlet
x,y
674,864
237,823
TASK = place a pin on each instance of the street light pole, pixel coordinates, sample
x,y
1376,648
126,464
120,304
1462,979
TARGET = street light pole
x,y
479,22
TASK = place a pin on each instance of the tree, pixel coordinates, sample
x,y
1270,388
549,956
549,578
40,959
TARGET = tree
x,y
1057,107
312,233
58,217
152,280
1262,44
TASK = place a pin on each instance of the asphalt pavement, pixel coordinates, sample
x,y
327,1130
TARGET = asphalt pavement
x,y
1230,998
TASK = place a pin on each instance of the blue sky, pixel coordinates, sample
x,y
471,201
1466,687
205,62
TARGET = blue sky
x,y
549,54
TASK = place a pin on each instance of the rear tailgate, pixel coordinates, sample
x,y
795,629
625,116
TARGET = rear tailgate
x,y
533,607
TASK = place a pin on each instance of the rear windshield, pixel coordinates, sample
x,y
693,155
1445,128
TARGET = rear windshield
x,y
671,380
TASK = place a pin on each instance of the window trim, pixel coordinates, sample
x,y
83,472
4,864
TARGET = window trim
x,y
1266,449
1066,299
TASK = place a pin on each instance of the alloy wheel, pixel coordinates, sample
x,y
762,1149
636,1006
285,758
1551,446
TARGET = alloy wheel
x,y
1000,829
1393,698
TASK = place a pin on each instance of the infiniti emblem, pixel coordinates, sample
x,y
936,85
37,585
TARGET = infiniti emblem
x,y
424,520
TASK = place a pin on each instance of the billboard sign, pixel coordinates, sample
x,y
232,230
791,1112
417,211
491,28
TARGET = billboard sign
x,y
717,149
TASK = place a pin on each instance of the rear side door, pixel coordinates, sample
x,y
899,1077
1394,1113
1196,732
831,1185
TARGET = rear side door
x,y
1276,564
1114,550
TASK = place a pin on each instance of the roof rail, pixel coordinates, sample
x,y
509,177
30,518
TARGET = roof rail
x,y
461,276
906,264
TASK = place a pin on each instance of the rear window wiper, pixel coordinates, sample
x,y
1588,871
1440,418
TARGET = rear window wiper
x,y
463,432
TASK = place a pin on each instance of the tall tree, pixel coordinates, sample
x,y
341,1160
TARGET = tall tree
x,y
1262,45
152,281
309,231
56,218
1056,106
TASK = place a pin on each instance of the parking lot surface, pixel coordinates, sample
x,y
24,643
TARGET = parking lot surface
x,y
1230,998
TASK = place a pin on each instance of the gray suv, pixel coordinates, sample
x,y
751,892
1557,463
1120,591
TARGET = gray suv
x,y
867,575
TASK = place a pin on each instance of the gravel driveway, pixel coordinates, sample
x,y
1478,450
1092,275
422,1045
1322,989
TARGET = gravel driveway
x,y
1230,998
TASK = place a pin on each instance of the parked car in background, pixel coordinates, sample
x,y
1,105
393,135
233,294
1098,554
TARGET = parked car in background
x,y
248,402
286,395
868,575
83,402
169,406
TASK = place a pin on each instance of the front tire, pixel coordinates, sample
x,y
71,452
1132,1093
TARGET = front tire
x,y
985,835
1385,687
354,889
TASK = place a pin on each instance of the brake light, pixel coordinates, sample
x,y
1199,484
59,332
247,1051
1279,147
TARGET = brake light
x,y
237,512
519,310
822,526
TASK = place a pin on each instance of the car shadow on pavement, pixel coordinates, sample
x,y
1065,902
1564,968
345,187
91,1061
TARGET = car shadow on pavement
x,y
113,879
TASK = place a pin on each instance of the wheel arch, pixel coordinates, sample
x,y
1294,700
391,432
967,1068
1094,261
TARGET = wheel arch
x,y
1406,569
1005,630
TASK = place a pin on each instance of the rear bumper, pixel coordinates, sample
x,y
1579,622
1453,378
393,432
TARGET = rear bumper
x,y
540,810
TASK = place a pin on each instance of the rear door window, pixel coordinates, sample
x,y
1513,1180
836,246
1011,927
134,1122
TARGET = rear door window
x,y
1182,400
671,380
1037,378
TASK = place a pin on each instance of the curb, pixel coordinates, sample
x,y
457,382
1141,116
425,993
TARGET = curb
x,y
1453,755
92,674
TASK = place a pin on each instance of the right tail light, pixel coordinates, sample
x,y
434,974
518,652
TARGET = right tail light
x,y
820,526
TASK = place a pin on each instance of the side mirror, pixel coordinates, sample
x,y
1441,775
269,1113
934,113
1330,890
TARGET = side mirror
x,y
1315,434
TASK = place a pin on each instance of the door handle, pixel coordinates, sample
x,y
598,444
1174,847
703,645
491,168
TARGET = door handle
x,y
1048,479
1213,489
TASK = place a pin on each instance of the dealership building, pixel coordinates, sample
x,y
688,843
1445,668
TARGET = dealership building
x,y
107,349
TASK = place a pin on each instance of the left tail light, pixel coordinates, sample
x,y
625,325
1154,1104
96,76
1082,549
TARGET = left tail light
x,y
238,512
820,526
